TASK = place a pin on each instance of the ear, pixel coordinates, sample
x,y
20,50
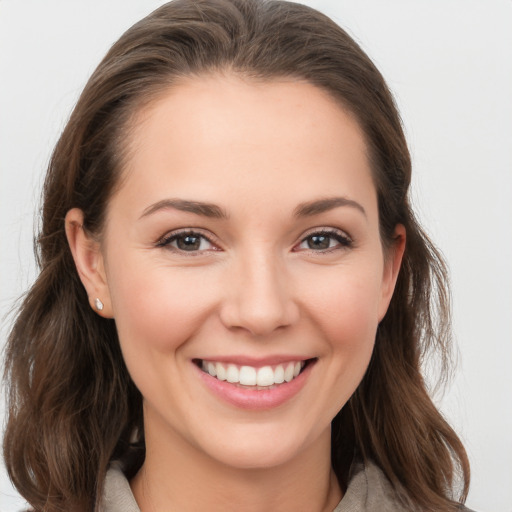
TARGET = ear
x,y
392,262
88,261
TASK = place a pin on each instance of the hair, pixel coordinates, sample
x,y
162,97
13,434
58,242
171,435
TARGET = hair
x,y
72,406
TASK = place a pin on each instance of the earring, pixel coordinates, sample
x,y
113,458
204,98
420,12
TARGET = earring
x,y
98,304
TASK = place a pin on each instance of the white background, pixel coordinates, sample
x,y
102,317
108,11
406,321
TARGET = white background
x,y
449,64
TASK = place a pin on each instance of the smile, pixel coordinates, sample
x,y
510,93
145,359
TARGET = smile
x,y
259,387
262,377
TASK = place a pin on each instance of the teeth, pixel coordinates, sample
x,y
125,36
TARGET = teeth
x,y
232,374
279,374
288,372
212,370
249,376
265,376
221,371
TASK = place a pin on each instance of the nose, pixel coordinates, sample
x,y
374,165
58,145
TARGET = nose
x,y
259,296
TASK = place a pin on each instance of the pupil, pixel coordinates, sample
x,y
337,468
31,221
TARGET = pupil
x,y
318,242
189,243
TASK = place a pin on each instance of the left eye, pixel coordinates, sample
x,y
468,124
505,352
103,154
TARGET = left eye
x,y
188,242
324,241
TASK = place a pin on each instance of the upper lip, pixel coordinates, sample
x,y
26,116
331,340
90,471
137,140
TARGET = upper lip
x,y
256,362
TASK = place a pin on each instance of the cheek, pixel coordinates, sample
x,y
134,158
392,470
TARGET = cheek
x,y
157,309
345,305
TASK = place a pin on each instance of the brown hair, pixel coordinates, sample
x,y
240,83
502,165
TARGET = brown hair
x,y
72,406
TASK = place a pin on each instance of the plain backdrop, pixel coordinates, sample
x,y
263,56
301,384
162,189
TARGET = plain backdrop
x,y
449,65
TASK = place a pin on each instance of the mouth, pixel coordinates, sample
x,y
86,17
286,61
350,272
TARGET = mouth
x,y
257,378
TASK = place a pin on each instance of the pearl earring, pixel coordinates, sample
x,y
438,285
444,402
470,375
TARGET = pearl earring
x,y
98,304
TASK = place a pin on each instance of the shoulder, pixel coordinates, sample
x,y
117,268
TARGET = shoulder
x,y
370,491
117,495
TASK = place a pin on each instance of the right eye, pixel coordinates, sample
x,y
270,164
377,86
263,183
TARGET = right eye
x,y
187,241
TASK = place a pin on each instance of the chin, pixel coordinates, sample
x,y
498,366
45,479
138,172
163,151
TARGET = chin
x,y
263,448
255,456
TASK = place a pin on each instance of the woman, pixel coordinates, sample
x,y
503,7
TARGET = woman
x,y
234,293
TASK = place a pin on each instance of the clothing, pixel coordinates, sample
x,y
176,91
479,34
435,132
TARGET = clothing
x,y
368,491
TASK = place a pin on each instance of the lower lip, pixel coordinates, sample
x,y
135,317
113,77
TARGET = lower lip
x,y
246,398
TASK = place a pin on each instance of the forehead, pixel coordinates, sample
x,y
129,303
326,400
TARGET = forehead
x,y
203,107
221,135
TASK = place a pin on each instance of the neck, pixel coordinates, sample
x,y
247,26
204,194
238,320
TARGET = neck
x,y
178,476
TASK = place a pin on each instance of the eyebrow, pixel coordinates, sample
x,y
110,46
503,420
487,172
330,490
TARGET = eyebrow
x,y
197,207
214,211
323,205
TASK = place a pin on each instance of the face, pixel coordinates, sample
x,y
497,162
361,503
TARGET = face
x,y
243,266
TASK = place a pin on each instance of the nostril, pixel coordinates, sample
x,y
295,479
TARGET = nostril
x,y
259,318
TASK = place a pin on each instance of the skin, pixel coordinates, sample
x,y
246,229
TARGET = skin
x,y
258,151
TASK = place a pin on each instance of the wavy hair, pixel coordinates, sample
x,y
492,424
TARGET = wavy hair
x,y
72,406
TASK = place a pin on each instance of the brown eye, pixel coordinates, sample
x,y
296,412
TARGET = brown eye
x,y
325,241
318,242
186,242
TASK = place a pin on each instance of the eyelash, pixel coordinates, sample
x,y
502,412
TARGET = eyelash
x,y
344,241
167,240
